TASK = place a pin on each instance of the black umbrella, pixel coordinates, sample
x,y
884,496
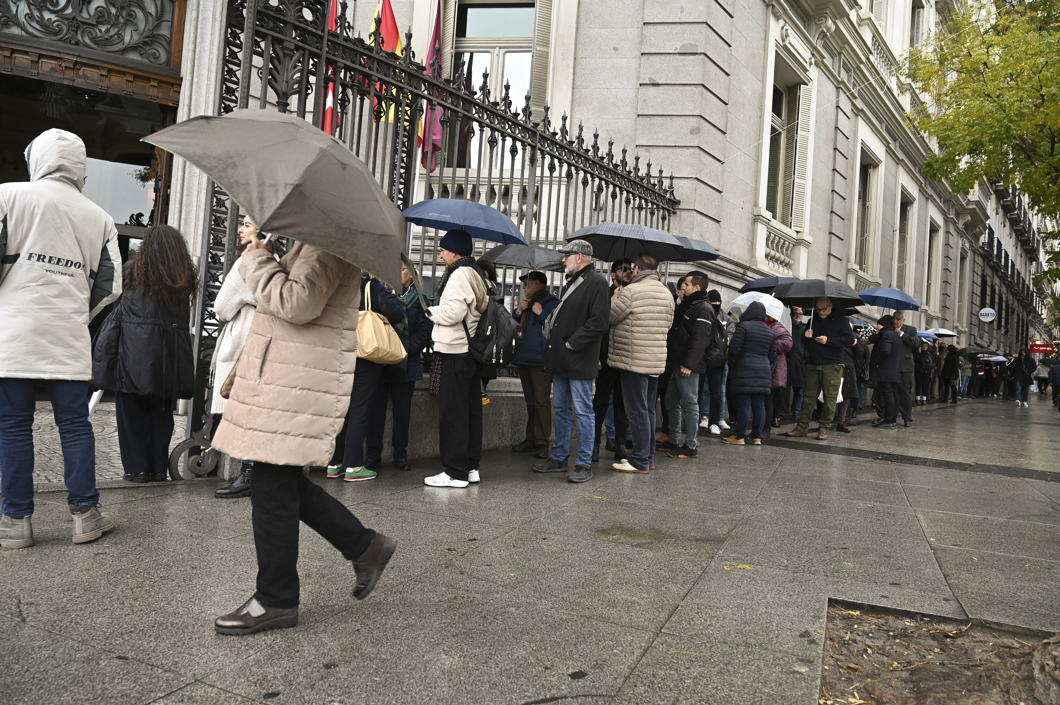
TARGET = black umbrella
x,y
804,293
697,250
767,284
615,241
973,350
526,257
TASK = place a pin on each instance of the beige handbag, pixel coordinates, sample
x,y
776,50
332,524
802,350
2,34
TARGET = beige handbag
x,y
377,341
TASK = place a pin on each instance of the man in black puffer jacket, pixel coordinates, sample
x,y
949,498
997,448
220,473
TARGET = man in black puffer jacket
x,y
885,370
752,352
686,348
828,334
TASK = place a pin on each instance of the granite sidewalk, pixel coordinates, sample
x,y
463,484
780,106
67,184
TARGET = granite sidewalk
x,y
704,582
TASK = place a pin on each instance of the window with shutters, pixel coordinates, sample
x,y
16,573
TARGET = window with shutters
x,y
916,23
864,213
789,150
902,246
933,241
879,13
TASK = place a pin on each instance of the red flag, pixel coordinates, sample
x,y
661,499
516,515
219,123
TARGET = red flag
x,y
330,124
432,118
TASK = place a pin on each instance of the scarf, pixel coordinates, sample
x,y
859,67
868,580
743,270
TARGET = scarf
x,y
686,303
643,274
525,318
462,262
410,297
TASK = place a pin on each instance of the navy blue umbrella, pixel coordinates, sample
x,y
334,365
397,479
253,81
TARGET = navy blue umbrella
x,y
767,284
697,250
615,241
886,297
480,221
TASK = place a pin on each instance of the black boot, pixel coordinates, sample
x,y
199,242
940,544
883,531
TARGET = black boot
x,y
239,488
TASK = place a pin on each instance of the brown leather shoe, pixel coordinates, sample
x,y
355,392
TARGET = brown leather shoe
x,y
371,564
796,433
822,435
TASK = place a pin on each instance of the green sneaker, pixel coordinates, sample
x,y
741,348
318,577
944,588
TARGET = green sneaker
x,y
361,473
335,471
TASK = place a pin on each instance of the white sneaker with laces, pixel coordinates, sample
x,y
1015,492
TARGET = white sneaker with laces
x,y
443,480
715,430
723,426
704,422
472,476
1018,402
1026,404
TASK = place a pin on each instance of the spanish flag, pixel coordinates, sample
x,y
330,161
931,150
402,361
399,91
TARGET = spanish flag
x,y
390,38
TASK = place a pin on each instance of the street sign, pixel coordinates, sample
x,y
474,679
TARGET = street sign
x,y
987,315
1043,348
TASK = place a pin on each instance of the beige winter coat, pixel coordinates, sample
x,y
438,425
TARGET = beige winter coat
x,y
463,301
641,316
295,374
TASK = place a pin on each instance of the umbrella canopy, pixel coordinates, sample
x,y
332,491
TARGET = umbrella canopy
x,y
480,221
296,181
767,284
858,323
525,257
805,293
774,308
886,297
992,358
927,335
973,350
942,332
697,250
615,241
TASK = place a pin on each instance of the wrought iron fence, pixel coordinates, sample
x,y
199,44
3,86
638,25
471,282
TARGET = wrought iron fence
x,y
424,135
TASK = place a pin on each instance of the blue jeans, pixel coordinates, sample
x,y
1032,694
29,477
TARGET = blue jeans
x,y
683,403
712,393
69,401
965,379
567,392
744,402
796,401
609,421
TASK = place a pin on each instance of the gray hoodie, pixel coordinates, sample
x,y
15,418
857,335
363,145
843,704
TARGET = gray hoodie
x,y
60,264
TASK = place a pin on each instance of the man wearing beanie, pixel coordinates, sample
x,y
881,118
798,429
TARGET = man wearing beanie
x,y
460,301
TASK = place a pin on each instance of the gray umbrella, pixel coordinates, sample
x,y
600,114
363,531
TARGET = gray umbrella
x,y
697,250
296,181
615,241
526,257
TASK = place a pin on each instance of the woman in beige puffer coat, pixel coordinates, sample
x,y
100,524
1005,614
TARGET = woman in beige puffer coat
x,y
289,395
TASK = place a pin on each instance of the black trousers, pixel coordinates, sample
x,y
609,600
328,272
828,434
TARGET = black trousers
x,y
349,445
609,382
401,392
282,497
923,384
904,396
664,384
537,391
885,399
145,428
460,415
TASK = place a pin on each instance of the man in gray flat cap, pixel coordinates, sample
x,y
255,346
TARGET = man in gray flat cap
x,y
572,356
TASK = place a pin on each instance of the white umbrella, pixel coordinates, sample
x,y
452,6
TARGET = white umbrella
x,y
942,332
992,358
774,307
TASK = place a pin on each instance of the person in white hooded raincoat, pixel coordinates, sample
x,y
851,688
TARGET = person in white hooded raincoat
x,y
60,267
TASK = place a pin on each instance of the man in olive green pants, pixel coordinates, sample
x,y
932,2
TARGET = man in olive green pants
x,y
826,337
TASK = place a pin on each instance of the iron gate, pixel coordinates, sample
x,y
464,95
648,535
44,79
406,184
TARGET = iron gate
x,y
550,178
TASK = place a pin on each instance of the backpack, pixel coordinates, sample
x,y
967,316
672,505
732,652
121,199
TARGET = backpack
x,y
718,350
497,332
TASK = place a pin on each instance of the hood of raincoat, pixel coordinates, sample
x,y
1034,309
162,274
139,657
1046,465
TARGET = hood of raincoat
x,y
755,312
57,154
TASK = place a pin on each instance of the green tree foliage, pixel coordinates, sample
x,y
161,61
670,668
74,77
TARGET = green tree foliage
x,y
992,72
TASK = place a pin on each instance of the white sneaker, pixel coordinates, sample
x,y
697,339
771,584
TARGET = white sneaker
x,y
723,426
1026,404
472,476
443,480
705,422
715,430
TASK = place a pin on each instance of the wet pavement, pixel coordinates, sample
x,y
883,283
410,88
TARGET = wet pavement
x,y
704,582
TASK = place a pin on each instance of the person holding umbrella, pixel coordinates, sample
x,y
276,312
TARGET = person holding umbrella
x,y
461,300
532,312
885,371
907,366
825,338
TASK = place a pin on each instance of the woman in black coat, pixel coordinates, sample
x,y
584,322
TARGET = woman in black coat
x,y
143,351
884,371
752,353
950,375
399,381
